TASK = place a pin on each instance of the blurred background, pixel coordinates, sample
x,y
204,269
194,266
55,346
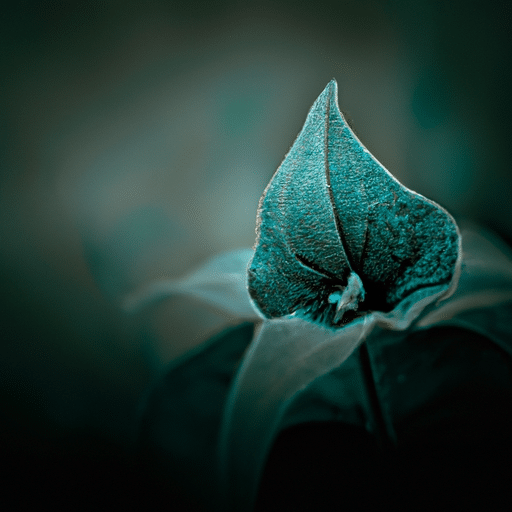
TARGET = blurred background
x,y
136,140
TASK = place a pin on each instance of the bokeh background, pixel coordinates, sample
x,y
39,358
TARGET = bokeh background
x,y
136,140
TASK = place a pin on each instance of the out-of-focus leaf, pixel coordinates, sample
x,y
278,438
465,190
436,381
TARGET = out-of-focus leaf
x,y
221,283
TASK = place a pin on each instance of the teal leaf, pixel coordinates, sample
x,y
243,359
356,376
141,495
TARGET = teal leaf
x,y
221,283
338,236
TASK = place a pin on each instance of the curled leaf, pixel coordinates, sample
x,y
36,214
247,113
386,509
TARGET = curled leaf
x,y
221,282
338,235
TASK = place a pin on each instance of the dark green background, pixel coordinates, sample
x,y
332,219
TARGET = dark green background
x,y
136,139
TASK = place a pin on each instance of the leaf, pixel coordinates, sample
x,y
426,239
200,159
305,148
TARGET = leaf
x,y
221,282
338,235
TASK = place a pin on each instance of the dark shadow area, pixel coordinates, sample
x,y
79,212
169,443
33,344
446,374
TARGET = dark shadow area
x,y
329,466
